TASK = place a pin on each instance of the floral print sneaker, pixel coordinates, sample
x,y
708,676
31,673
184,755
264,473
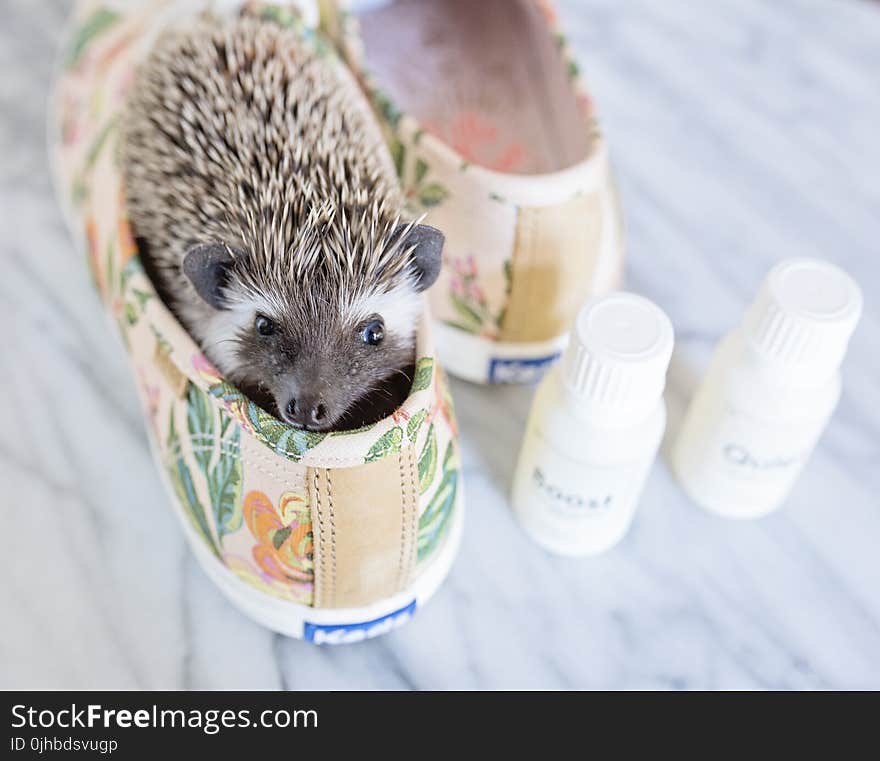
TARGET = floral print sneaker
x,y
496,141
332,537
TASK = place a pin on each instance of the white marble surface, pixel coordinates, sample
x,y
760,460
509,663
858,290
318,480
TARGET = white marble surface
x,y
743,132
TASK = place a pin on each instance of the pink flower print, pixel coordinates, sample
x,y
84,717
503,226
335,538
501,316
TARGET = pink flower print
x,y
471,265
71,129
480,141
151,401
468,298
585,104
210,374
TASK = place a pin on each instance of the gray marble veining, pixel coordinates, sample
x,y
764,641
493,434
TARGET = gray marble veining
x,y
742,132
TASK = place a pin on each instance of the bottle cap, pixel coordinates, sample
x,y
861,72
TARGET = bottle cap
x,y
804,315
619,351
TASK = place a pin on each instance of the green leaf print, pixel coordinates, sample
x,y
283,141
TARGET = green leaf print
x,y
224,477
508,286
291,441
142,297
284,17
432,194
109,266
225,421
224,486
386,108
182,482
414,178
78,190
469,315
433,522
388,443
424,373
99,21
398,155
428,461
99,142
131,313
415,422
283,438
200,423
421,170
280,537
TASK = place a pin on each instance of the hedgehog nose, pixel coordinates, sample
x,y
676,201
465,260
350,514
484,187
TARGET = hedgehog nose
x,y
305,413
319,413
290,411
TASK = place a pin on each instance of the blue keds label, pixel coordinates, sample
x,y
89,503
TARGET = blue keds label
x,y
342,634
520,370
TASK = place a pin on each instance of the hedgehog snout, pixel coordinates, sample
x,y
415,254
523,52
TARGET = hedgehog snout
x,y
305,411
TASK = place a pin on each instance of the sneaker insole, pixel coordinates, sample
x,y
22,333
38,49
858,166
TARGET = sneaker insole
x,y
485,76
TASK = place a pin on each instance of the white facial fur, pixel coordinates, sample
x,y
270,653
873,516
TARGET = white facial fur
x,y
399,309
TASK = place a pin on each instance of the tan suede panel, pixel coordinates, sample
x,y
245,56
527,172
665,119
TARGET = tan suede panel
x,y
553,262
365,524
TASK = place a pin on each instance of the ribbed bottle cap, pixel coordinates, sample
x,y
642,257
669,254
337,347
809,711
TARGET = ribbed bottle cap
x,y
804,315
619,351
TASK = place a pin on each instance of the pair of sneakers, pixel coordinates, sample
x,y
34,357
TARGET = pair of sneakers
x,y
342,536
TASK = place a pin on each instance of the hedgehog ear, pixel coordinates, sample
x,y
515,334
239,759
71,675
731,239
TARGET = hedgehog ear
x,y
426,255
207,266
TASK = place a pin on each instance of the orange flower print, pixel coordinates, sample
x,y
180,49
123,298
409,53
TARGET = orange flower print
x,y
244,569
127,245
400,415
444,405
548,11
109,55
480,141
284,536
93,250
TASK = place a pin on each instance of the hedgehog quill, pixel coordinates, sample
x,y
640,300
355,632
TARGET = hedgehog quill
x,y
267,210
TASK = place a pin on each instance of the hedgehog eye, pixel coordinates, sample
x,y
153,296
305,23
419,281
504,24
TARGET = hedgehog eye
x,y
373,332
264,326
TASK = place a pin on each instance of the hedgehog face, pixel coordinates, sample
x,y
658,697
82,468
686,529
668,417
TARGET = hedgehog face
x,y
317,373
319,350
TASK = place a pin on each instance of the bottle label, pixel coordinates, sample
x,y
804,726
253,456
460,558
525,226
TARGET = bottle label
x,y
740,463
570,506
748,448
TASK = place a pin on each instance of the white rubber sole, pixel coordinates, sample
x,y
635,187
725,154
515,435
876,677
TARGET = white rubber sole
x,y
480,360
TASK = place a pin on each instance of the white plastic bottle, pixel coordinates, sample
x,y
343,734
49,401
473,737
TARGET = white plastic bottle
x,y
595,427
769,392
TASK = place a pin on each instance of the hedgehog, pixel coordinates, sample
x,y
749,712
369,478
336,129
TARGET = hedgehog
x,y
267,211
